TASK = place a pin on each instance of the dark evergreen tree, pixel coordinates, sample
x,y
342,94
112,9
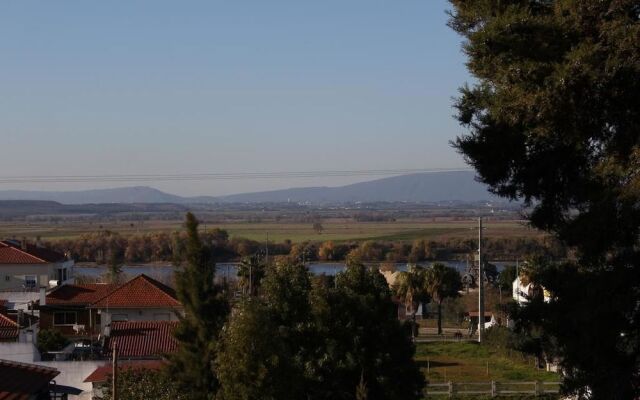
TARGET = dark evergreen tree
x,y
206,310
363,345
554,119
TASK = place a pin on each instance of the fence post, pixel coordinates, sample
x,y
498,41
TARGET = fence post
x,y
494,389
451,391
538,387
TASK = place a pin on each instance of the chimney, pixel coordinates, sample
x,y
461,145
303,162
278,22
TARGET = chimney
x,y
24,243
43,296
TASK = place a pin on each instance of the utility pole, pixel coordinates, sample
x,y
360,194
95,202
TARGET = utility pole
x,y
480,284
518,279
250,277
114,374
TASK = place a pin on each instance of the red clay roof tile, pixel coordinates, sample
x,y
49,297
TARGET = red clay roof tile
x,y
11,252
102,373
9,329
140,292
81,295
142,339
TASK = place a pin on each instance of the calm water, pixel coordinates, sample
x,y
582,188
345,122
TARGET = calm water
x,y
228,270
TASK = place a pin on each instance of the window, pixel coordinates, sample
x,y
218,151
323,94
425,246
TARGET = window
x,y
65,318
62,274
7,278
30,281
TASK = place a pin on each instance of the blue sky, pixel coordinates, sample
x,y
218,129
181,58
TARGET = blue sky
x,y
160,87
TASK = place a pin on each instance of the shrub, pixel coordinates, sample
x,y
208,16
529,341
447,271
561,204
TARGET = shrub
x,y
51,340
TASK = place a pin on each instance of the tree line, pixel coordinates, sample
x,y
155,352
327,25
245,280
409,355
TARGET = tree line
x,y
105,247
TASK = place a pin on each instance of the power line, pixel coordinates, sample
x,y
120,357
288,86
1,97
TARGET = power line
x,y
217,176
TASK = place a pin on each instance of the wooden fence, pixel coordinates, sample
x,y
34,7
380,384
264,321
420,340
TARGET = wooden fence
x,y
492,388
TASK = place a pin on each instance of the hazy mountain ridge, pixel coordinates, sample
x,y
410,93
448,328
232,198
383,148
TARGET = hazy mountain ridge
x,y
127,195
426,187
418,188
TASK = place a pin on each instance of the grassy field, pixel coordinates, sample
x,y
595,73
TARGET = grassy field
x,y
334,229
470,362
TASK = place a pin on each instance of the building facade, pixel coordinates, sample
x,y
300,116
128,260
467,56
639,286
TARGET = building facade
x,y
25,266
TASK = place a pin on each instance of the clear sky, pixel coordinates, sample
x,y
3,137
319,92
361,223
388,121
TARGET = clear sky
x,y
162,87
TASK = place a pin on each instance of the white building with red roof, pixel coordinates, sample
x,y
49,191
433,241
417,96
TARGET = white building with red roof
x,y
27,266
140,299
85,311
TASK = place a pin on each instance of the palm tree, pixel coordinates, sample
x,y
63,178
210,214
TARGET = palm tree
x,y
410,288
250,273
442,282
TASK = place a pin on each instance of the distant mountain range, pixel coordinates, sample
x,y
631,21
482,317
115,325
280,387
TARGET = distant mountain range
x,y
457,186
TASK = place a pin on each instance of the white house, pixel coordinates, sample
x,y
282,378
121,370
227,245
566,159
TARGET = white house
x,y
140,299
25,266
523,290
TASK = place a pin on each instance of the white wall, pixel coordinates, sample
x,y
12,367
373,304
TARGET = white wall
x,y
19,352
73,373
146,314
43,273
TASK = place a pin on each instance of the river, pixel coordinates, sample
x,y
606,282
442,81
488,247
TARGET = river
x,y
228,270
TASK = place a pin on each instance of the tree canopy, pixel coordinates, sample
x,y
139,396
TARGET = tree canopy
x,y
554,118
309,338
143,384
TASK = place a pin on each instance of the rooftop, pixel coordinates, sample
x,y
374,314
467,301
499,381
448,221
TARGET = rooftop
x,y
142,339
18,381
14,252
140,292
9,329
102,373
79,295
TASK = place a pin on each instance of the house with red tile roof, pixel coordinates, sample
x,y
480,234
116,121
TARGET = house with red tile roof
x,y
19,381
85,311
140,299
66,309
26,266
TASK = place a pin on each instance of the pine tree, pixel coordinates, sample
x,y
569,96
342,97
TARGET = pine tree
x,y
206,310
554,120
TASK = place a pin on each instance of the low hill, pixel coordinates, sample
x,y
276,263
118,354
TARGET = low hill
x,y
136,194
457,186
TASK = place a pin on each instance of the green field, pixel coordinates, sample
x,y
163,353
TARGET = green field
x,y
334,229
471,362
